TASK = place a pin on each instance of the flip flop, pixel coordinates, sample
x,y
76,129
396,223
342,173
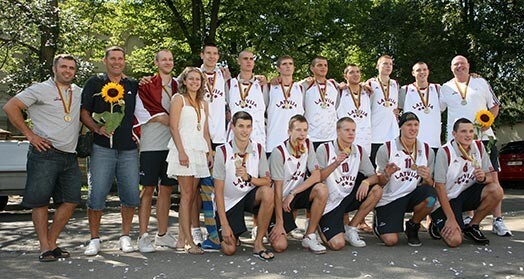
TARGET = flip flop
x,y
195,250
47,256
264,255
61,253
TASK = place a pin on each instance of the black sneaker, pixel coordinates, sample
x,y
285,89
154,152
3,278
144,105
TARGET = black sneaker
x,y
433,231
473,233
412,234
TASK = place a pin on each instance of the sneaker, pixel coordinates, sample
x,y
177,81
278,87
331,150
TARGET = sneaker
x,y
167,240
210,246
93,247
125,244
254,235
197,236
467,220
499,228
434,231
351,236
297,233
311,242
144,244
475,234
412,233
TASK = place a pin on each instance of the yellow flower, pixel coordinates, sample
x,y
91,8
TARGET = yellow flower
x,y
485,118
112,92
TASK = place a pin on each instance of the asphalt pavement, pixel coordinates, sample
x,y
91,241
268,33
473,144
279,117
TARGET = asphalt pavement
x,y
503,258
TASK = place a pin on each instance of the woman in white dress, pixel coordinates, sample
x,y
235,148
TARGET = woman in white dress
x,y
189,158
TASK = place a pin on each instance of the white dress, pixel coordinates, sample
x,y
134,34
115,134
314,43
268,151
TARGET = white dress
x,y
193,142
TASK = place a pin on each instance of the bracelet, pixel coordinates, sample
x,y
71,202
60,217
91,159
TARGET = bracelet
x,y
365,181
483,180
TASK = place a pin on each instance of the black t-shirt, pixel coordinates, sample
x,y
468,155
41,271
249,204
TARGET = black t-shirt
x,y
123,137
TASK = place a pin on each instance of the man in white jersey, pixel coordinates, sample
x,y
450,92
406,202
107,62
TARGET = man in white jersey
x,y
289,163
349,174
405,167
355,103
242,183
384,103
463,183
464,96
320,103
248,93
285,101
422,98
152,115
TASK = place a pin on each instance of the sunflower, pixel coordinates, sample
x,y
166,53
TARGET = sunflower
x,y
485,118
112,92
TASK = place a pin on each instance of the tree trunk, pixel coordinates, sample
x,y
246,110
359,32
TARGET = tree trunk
x,y
49,31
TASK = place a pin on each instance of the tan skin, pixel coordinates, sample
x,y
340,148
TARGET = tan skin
x,y
64,71
188,184
246,61
264,196
385,68
491,194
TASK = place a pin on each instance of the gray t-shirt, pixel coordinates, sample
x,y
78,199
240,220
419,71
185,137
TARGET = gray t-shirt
x,y
219,167
154,136
45,108
441,163
365,167
276,161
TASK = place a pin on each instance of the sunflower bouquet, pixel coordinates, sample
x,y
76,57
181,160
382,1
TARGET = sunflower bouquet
x,y
484,119
112,93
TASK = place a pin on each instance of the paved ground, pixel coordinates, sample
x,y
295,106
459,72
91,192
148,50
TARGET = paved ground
x,y
503,258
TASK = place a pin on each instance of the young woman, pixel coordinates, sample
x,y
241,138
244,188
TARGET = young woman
x,y
189,158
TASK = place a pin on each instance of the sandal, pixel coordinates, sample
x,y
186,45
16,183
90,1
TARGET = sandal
x,y
363,227
195,250
47,256
61,253
264,255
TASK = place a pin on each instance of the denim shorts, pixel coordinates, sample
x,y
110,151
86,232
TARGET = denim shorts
x,y
51,173
104,165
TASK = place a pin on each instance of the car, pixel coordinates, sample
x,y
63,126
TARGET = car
x,y
511,158
12,169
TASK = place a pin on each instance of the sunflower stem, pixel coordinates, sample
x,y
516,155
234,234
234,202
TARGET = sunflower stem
x,y
111,135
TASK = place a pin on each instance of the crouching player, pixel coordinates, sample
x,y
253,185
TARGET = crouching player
x,y
350,177
463,182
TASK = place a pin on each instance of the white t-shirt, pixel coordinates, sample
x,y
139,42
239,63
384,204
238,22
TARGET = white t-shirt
x,y
479,96
216,104
384,124
321,114
361,115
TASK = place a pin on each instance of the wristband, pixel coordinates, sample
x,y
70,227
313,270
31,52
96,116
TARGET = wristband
x,y
483,180
365,182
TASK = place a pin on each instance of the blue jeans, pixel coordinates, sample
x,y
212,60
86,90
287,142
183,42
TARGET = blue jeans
x,y
51,173
104,165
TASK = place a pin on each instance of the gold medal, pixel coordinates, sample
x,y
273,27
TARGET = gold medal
x,y
426,110
386,104
199,127
286,94
286,106
68,117
464,102
243,104
414,166
67,107
323,105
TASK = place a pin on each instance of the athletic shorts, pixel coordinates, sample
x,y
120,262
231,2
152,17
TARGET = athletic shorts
x,y
467,200
235,215
332,223
389,218
301,201
153,168
373,154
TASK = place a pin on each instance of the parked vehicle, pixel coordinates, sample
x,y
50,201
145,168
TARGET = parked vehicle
x,y
512,162
12,169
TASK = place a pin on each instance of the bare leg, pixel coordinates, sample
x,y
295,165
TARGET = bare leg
x,y
144,211
367,206
162,207
62,215
319,196
40,221
491,196
195,214
94,217
187,191
265,198
127,218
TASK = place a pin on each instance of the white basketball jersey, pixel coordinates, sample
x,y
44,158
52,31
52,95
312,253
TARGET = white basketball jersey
x,y
294,168
384,125
361,116
321,114
216,98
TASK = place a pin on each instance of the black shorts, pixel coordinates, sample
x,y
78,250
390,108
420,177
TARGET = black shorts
x,y
493,155
373,154
235,215
389,218
301,201
467,200
332,223
153,168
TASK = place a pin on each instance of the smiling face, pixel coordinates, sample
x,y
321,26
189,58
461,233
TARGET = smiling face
x,y
460,66
352,74
115,62
420,72
164,61
464,134
246,61
210,56
64,71
409,130
319,68
242,129
193,81
346,132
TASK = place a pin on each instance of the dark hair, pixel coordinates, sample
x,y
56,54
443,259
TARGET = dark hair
x,y
314,61
63,56
407,116
344,119
460,121
208,45
114,48
296,118
162,50
282,58
346,70
241,115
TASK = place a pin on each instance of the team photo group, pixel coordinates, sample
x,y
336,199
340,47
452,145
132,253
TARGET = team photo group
x,y
276,148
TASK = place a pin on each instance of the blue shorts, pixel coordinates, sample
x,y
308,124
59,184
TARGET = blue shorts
x,y
51,173
104,165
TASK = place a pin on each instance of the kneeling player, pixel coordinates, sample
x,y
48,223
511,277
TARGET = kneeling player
x,y
345,166
463,183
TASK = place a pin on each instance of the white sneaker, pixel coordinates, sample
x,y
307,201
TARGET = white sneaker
x,y
297,233
93,247
125,244
167,240
144,244
254,235
311,242
500,229
352,237
197,236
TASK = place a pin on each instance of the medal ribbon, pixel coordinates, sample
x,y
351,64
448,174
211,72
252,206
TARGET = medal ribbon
x,y
413,154
67,108
244,92
244,159
385,89
322,92
296,150
288,93
466,156
210,87
167,92
462,94
356,99
197,109
425,101
346,149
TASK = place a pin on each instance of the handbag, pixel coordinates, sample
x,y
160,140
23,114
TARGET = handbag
x,y
85,143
